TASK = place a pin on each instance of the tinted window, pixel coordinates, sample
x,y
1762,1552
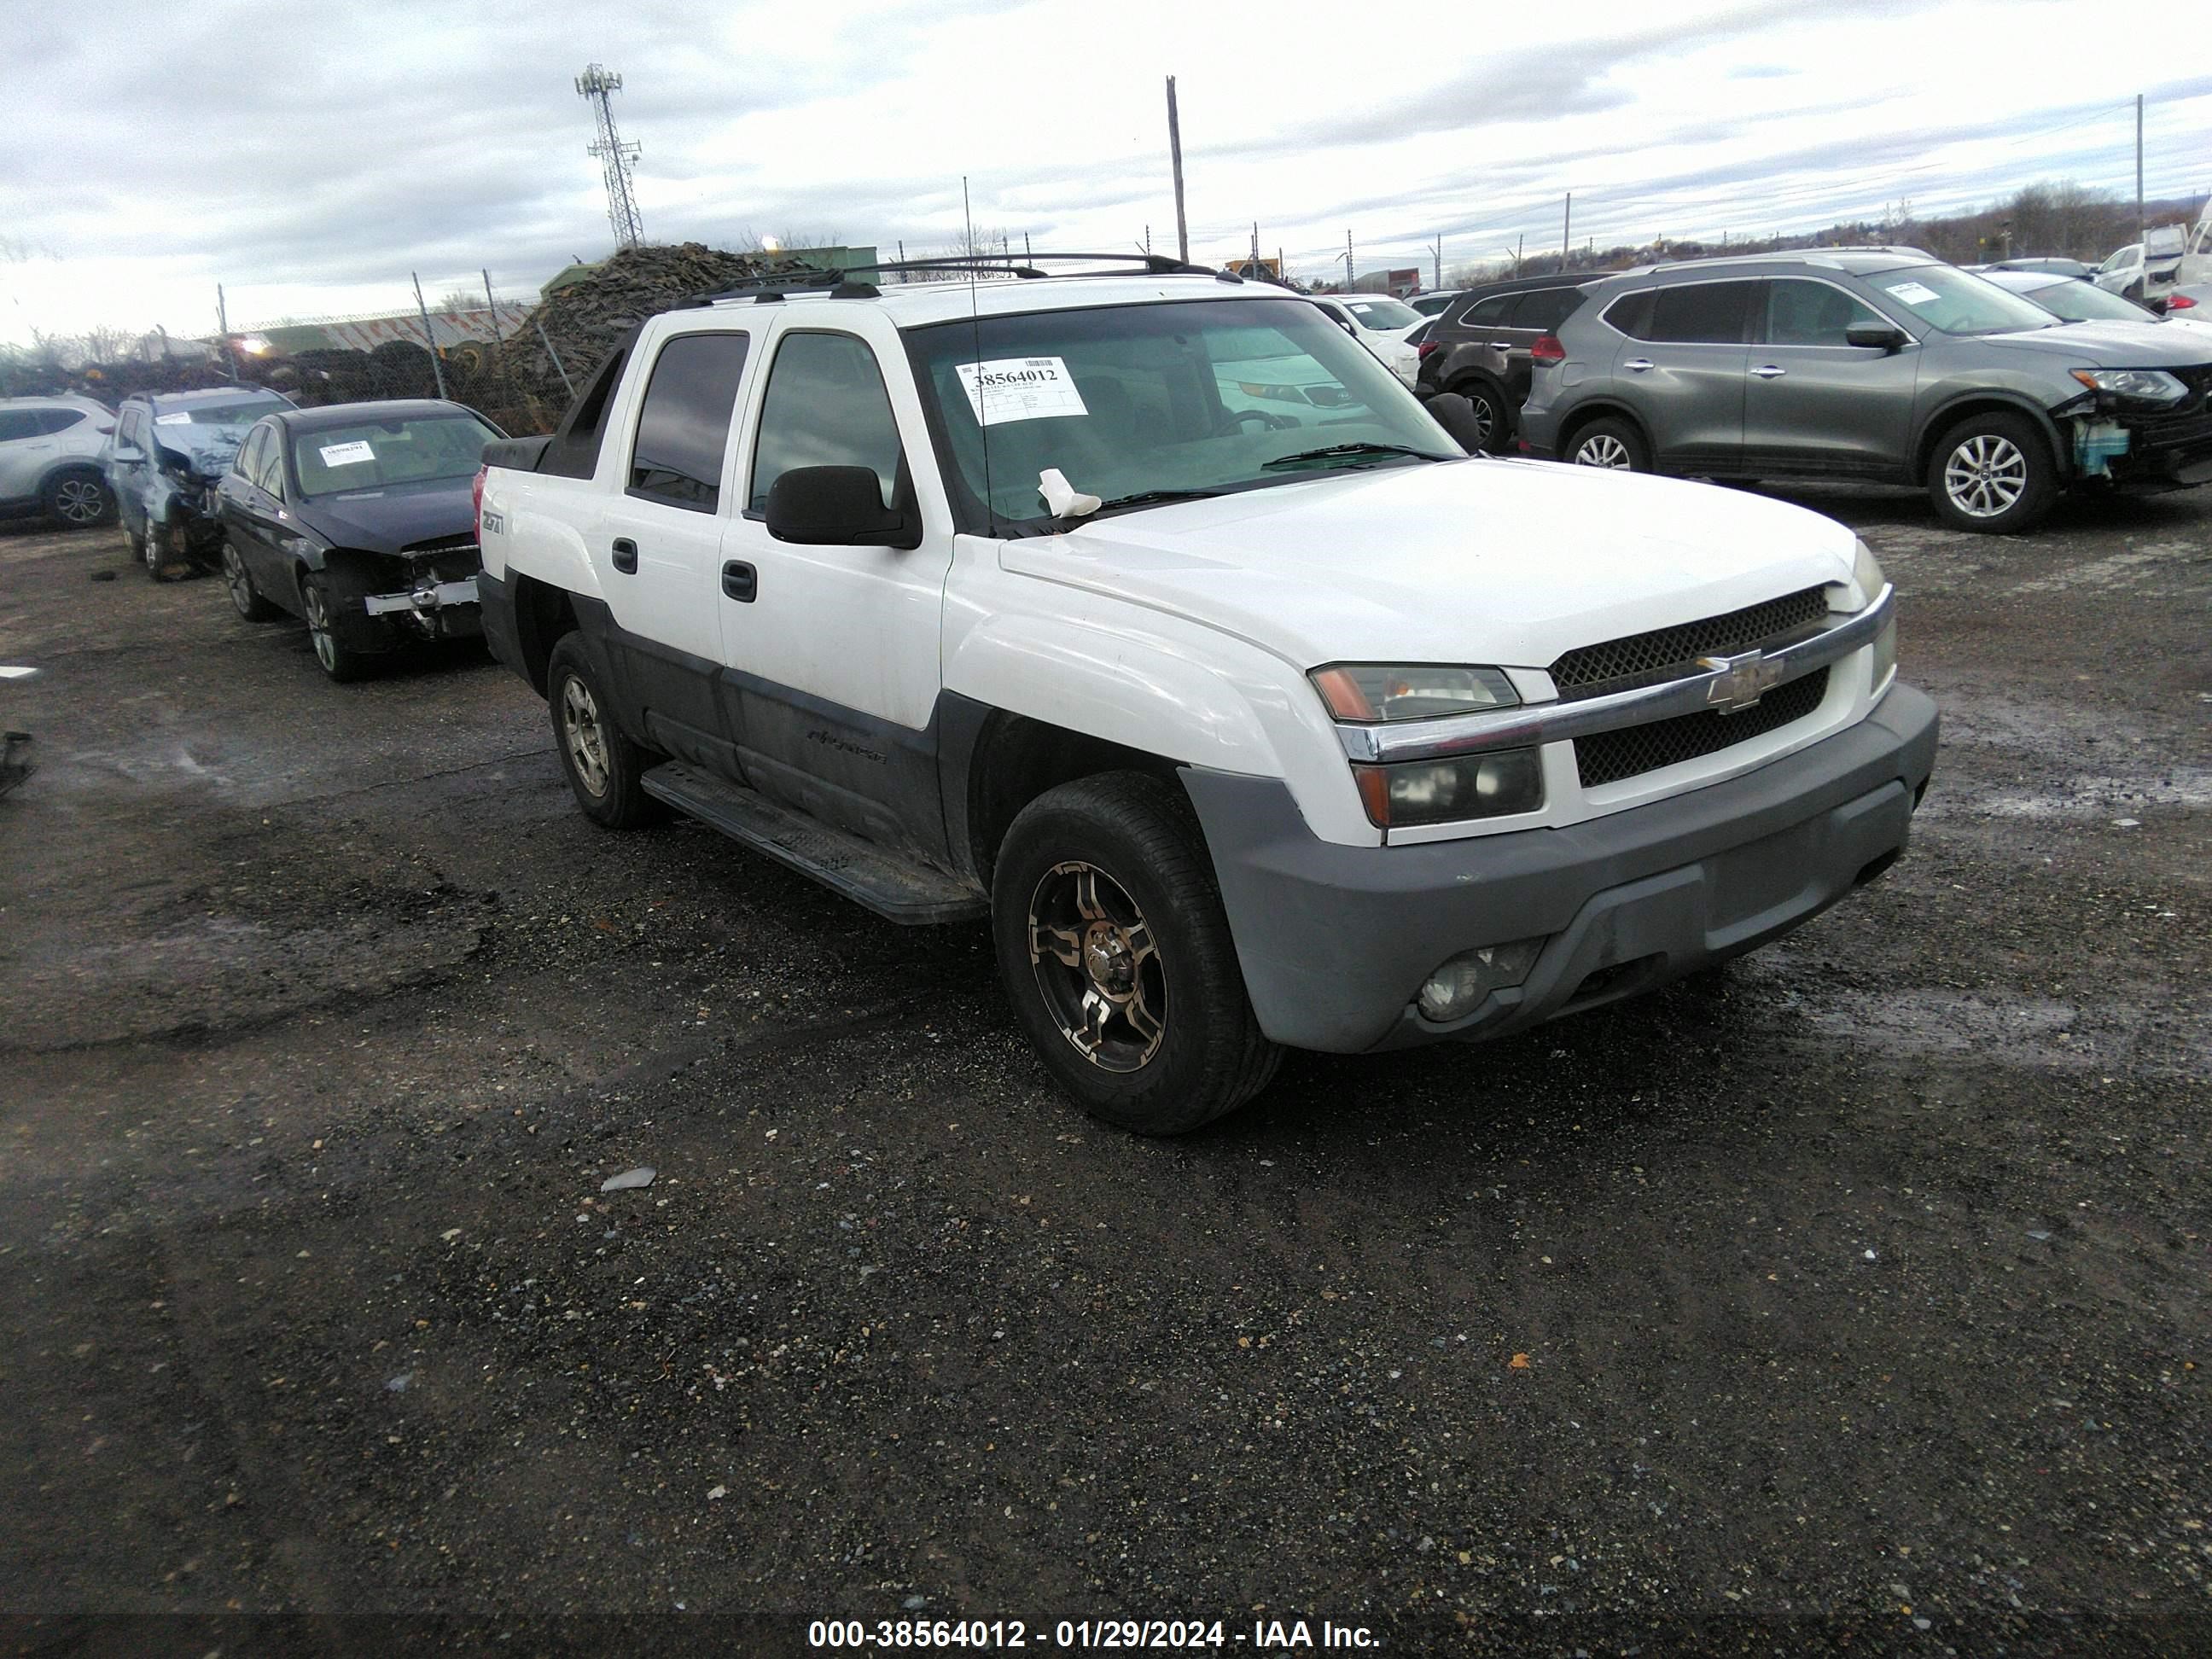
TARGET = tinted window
x,y
57,420
1631,314
269,465
1544,309
1488,313
1712,313
248,463
1803,312
684,426
826,406
17,423
574,450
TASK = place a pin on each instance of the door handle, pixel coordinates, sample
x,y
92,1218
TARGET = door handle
x,y
740,581
1769,371
625,555
1638,365
1501,345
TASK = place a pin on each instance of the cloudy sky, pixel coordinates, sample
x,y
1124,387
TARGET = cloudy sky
x,y
308,157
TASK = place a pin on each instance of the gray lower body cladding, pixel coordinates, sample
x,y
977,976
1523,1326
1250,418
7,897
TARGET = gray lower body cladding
x,y
1335,941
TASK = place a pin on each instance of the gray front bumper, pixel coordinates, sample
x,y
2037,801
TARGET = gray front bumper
x,y
1335,941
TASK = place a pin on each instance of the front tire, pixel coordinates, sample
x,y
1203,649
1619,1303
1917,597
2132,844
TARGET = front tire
x,y
1993,475
319,602
605,769
1116,954
244,598
1611,444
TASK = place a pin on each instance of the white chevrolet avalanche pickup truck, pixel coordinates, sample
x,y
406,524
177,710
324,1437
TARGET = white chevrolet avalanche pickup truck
x,y
1152,618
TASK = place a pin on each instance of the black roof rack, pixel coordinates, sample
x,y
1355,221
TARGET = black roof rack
x,y
771,289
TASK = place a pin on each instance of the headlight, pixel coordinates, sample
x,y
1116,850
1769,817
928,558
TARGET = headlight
x,y
1865,571
1373,692
1413,793
2135,386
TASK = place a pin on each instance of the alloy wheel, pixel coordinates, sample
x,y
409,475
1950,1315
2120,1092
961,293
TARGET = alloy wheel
x,y
241,585
586,737
1603,450
318,626
80,502
1985,476
1097,966
1486,419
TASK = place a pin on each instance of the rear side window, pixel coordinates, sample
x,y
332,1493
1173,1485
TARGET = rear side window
x,y
57,420
826,406
17,423
1631,314
1544,309
1488,313
1711,313
683,429
574,450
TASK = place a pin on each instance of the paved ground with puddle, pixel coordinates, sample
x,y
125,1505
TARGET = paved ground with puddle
x,y
1853,1295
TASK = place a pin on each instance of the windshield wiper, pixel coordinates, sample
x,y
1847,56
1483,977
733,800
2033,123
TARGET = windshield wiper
x,y
1332,451
1155,498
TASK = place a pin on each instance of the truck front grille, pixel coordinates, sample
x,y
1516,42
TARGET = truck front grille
x,y
1609,757
1672,653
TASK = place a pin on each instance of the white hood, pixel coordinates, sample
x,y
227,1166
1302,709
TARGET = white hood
x,y
1504,562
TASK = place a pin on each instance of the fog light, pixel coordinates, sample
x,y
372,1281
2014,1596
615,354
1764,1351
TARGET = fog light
x,y
1459,987
1414,792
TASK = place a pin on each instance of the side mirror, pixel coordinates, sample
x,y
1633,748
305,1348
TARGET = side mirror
x,y
2160,305
1456,416
1877,337
128,453
835,507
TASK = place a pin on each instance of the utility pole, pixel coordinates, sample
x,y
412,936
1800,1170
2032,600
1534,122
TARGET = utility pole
x,y
223,322
1256,245
1437,248
593,85
1175,150
496,336
1566,231
1347,262
437,370
2139,207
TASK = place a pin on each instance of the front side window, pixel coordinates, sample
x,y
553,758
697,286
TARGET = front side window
x,y
1132,404
1799,311
248,463
1707,313
1958,302
684,425
826,406
372,454
269,466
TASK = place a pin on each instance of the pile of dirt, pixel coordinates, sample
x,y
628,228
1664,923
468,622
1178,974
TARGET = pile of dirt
x,y
586,318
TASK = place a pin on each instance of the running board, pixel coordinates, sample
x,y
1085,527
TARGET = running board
x,y
897,889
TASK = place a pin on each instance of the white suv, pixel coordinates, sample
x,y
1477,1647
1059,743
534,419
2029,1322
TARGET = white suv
x,y
1248,719
50,460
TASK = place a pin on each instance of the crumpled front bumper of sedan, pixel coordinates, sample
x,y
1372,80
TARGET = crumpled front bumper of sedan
x,y
439,608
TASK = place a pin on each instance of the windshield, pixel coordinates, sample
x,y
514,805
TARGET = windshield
x,y
244,412
334,461
1957,301
2085,302
1185,397
1386,314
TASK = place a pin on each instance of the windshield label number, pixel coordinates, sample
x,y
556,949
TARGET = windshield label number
x,y
350,454
1913,293
1020,389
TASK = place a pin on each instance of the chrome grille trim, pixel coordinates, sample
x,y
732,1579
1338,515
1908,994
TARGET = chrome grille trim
x,y
1557,723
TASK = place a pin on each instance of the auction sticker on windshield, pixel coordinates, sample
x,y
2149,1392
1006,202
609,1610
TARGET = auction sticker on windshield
x,y
1020,389
1913,293
350,454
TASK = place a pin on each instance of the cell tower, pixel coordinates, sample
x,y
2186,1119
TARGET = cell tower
x,y
615,156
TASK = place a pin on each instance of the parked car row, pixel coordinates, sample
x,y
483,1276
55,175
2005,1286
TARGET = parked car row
x,y
1995,392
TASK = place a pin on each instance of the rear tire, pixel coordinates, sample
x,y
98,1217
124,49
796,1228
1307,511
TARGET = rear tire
x,y
1993,475
605,769
79,499
1611,443
1116,954
1493,415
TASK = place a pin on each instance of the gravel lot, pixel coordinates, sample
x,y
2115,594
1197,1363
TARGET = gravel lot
x,y
1853,1298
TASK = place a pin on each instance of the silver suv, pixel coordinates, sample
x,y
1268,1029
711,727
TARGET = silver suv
x,y
50,460
1879,364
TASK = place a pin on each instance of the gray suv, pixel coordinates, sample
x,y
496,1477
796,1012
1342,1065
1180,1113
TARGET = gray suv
x,y
1880,364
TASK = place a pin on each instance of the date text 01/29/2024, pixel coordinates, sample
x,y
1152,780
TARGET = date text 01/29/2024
x,y
1267,1635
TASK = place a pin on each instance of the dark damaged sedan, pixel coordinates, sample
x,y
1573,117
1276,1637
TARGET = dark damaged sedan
x,y
360,520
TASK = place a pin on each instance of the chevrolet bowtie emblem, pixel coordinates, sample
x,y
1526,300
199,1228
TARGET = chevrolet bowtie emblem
x,y
1741,682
